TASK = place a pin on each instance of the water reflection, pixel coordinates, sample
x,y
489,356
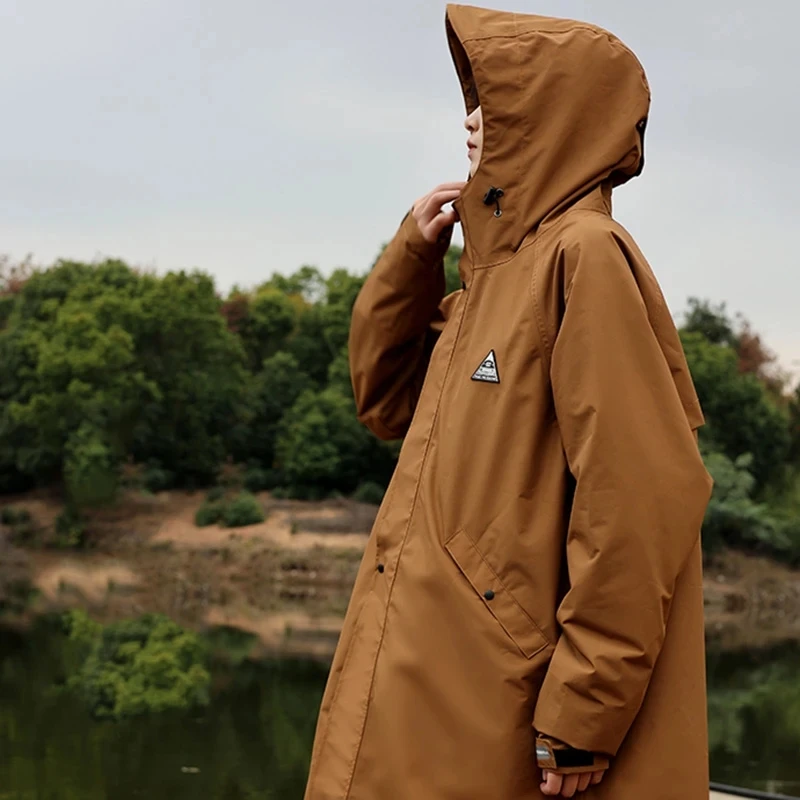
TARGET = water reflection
x,y
754,718
253,741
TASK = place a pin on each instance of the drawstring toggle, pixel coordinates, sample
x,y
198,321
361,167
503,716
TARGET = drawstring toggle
x,y
493,196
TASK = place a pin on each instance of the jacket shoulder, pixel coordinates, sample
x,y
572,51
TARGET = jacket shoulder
x,y
593,247
597,243
588,229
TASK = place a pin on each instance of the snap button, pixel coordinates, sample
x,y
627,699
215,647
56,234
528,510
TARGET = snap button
x,y
381,568
489,594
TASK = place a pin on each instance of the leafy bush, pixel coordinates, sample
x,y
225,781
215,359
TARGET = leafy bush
x,y
157,479
244,509
369,492
137,666
257,479
70,529
280,493
215,494
236,512
733,518
209,514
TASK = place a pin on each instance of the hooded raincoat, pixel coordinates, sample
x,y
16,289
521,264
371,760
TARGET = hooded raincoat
x,y
535,568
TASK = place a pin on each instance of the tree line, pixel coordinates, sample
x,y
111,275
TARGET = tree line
x,y
113,377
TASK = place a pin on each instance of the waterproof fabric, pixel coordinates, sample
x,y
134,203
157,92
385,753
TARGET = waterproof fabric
x,y
535,567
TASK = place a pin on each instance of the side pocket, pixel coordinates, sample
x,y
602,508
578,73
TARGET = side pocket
x,y
516,622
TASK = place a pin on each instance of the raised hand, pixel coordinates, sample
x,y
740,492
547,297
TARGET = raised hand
x,y
431,218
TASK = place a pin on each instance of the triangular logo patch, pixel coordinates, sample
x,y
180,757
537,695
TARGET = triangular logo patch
x,y
487,371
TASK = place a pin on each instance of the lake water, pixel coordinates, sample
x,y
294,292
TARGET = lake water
x,y
253,741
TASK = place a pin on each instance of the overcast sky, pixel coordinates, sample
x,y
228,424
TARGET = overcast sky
x,y
244,137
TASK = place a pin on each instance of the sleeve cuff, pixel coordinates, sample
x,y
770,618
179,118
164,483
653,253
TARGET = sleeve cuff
x,y
557,757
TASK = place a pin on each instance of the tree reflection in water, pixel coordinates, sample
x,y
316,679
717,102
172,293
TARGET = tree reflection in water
x,y
253,741
754,718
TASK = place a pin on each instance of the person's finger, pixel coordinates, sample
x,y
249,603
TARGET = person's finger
x,y
584,780
452,186
431,207
443,220
442,187
597,777
431,229
570,786
551,785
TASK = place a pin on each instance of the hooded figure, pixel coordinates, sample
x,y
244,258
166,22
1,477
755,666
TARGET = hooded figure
x,y
532,587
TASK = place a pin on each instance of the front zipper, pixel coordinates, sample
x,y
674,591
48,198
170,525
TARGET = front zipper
x,y
379,558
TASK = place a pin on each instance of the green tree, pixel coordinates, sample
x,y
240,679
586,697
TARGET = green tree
x,y
711,321
309,345
104,358
75,367
90,467
12,435
322,447
263,321
339,374
733,518
199,367
274,391
343,288
741,416
794,427
307,283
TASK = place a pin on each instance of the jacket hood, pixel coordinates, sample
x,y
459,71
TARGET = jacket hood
x,y
564,106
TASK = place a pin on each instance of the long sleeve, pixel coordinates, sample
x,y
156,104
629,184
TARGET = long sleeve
x,y
641,491
397,318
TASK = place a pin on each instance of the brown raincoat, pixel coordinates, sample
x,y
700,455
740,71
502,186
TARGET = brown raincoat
x,y
535,566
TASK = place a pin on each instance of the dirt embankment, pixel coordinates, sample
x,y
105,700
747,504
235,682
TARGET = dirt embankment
x,y
287,580
751,602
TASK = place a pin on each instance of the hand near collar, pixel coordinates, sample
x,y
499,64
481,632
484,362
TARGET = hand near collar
x,y
429,212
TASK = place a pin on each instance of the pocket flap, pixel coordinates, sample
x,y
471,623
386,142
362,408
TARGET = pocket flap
x,y
496,597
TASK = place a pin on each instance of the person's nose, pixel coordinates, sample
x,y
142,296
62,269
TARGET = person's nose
x,y
469,123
